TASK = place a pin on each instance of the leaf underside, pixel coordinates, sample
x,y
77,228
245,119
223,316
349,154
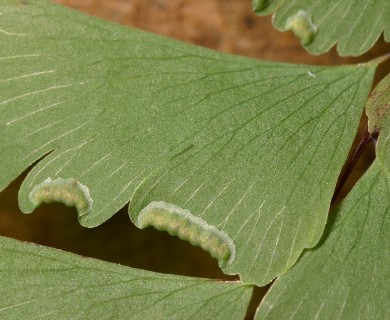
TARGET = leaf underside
x,y
251,149
47,283
347,276
354,25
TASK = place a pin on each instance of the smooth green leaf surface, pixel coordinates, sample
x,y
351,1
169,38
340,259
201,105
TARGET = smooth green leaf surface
x,y
45,283
377,109
235,155
347,276
354,25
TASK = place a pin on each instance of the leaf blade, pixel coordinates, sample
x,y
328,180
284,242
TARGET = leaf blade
x,y
37,281
355,27
346,276
132,116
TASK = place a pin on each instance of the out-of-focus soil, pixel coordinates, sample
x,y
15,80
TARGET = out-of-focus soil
x,y
226,25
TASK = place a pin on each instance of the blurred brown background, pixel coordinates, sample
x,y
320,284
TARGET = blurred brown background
x,y
226,25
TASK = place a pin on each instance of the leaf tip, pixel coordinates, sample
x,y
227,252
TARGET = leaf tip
x,y
303,27
259,5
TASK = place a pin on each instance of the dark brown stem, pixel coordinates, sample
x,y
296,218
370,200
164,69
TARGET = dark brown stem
x,y
365,138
